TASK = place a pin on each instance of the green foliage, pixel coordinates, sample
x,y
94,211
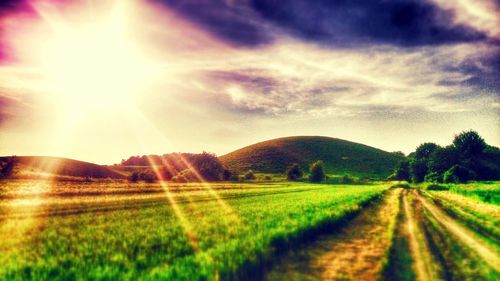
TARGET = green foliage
x,y
425,150
458,174
418,170
433,177
250,175
402,172
294,172
469,144
468,158
339,157
316,172
438,187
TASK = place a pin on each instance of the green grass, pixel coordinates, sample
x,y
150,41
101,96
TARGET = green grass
x,y
466,203
458,260
488,192
339,156
68,231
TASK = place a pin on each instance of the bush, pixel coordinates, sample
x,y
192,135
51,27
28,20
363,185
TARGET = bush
x,y
458,174
148,176
208,166
134,177
317,172
294,173
402,172
267,178
7,166
347,180
433,177
249,175
418,169
437,187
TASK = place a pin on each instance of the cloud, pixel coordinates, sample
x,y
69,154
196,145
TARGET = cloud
x,y
344,23
298,78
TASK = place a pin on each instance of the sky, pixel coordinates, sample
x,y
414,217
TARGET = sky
x,y
104,80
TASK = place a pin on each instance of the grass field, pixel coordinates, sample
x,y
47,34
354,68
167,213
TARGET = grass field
x,y
66,231
257,231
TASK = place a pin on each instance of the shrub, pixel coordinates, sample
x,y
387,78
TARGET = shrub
x,y
458,174
317,172
433,177
249,175
267,178
294,173
402,172
7,166
418,169
347,180
437,187
134,177
148,176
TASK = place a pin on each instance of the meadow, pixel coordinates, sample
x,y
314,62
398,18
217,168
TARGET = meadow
x,y
109,231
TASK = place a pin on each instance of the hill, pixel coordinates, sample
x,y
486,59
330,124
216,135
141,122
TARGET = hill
x,y
32,166
339,156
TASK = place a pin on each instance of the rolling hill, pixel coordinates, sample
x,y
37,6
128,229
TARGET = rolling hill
x,y
339,156
29,166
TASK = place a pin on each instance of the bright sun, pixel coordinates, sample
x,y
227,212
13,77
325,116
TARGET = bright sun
x,y
94,64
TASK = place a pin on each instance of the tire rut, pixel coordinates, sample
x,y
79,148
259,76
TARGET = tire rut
x,y
356,252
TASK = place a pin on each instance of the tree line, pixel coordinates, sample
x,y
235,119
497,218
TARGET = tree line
x,y
468,158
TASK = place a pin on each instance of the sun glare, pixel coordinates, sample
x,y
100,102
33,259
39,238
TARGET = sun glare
x,y
95,64
88,59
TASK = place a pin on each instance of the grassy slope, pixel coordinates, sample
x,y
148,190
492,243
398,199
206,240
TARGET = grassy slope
x,y
339,156
36,165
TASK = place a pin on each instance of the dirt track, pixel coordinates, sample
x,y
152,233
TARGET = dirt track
x,y
378,236
354,253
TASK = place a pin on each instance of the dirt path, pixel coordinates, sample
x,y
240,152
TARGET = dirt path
x,y
488,254
419,262
357,252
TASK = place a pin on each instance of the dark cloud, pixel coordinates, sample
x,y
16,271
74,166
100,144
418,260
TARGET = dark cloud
x,y
329,22
483,73
236,23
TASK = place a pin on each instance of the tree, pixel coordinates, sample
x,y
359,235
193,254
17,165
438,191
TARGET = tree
x,y
208,166
134,177
443,159
294,173
458,174
250,175
402,172
316,172
469,144
425,150
418,170
7,166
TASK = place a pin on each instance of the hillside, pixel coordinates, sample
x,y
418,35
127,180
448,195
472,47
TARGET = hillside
x,y
339,156
28,166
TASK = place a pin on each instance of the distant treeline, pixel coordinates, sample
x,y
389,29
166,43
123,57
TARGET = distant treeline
x,y
469,157
180,167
